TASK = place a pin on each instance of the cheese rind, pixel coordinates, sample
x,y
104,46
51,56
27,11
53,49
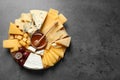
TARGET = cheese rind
x,y
33,62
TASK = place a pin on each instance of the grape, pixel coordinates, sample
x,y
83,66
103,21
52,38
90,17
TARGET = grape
x,y
26,54
22,49
21,62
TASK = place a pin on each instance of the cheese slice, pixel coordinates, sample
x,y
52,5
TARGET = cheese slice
x,y
49,63
56,36
65,42
14,30
62,18
52,59
33,62
47,24
54,55
45,63
53,11
59,51
38,17
10,43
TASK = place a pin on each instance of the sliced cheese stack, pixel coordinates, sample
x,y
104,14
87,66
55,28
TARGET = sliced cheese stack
x,y
58,39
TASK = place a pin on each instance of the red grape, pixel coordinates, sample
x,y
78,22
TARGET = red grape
x,y
26,54
21,62
22,49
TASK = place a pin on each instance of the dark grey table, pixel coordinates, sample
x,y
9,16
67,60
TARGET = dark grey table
x,y
94,53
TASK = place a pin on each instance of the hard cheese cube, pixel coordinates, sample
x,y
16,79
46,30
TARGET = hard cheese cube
x,y
22,43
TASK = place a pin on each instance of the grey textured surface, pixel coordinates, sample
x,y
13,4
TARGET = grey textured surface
x,y
94,53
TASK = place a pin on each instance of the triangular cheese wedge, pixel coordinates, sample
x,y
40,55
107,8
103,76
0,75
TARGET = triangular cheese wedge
x,y
33,62
65,42
14,30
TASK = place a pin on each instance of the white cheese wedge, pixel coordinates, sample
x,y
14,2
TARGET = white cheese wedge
x,y
31,48
34,62
40,52
38,17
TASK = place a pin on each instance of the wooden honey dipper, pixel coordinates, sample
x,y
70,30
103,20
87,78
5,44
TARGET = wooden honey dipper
x,y
37,42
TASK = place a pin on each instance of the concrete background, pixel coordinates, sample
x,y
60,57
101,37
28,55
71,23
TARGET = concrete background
x,y
94,53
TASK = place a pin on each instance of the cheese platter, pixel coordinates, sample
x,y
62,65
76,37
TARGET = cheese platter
x,y
38,39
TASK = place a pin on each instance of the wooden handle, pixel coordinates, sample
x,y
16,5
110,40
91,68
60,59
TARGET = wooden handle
x,y
38,42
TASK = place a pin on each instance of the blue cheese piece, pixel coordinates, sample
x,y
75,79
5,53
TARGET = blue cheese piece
x,y
30,28
38,17
31,48
40,52
34,62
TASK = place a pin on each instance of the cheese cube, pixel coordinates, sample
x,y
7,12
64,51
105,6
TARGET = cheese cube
x,y
11,36
22,43
25,35
24,39
14,49
31,48
19,37
28,42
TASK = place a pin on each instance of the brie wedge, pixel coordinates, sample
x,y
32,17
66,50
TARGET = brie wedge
x,y
33,62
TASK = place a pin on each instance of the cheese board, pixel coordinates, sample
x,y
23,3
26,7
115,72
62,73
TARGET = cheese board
x,y
38,39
